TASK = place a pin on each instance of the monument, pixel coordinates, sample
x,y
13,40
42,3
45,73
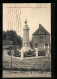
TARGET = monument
x,y
26,43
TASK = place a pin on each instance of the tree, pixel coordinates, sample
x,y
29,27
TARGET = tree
x,y
4,35
12,36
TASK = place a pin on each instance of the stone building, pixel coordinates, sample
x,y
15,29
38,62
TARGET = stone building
x,y
41,38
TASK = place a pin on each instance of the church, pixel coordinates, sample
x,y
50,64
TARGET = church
x,y
41,38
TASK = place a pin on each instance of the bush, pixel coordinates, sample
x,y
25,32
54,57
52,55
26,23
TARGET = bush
x,y
41,53
9,48
9,53
17,53
29,53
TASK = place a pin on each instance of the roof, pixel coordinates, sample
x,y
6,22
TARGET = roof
x,y
41,31
25,27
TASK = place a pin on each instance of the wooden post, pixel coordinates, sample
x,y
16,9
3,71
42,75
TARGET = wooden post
x,y
44,46
11,57
22,54
48,51
45,51
36,51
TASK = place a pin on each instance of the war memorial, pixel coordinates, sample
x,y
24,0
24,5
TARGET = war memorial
x,y
25,58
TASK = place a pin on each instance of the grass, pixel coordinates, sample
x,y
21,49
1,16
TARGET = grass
x,y
37,64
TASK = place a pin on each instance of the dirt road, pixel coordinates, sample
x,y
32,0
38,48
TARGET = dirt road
x,y
17,74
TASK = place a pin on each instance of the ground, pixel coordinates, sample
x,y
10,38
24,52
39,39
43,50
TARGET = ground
x,y
38,66
17,74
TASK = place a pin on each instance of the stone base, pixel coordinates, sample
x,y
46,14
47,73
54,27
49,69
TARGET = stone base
x,y
25,49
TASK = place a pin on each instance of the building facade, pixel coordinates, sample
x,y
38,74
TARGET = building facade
x,y
41,38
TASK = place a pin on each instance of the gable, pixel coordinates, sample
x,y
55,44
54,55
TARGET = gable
x,y
41,30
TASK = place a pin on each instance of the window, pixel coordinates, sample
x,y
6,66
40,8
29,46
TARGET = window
x,y
46,44
41,38
43,32
36,45
38,32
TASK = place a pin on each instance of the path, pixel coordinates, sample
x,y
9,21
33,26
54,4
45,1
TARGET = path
x,y
16,74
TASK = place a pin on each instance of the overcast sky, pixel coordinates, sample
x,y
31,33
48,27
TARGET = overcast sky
x,y
35,13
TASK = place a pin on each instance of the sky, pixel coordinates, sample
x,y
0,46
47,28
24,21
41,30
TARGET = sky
x,y
35,13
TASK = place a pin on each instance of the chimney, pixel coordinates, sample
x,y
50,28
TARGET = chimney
x,y
40,26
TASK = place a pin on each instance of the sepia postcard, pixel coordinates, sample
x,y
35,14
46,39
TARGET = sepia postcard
x,y
26,40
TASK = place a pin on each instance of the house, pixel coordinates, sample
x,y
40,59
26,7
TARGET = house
x,y
41,38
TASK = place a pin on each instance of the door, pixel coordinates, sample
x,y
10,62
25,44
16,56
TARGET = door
x,y
36,45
